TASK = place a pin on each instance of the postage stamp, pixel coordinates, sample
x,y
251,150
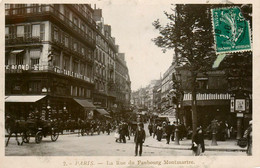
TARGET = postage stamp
x,y
231,30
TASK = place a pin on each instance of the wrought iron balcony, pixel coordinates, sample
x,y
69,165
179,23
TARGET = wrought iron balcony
x,y
48,12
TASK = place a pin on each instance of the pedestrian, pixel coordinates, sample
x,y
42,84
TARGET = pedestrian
x,y
139,139
227,130
198,146
168,132
248,135
159,132
150,128
117,135
108,127
154,129
173,130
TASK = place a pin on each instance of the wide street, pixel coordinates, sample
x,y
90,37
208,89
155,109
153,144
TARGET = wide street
x,y
96,145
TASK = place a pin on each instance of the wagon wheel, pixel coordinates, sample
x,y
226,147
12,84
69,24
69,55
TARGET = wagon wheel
x,y
38,137
26,137
54,136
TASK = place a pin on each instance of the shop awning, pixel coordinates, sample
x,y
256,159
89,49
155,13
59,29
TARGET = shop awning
x,y
107,116
24,98
85,103
102,111
16,51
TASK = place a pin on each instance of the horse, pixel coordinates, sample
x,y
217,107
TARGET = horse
x,y
16,127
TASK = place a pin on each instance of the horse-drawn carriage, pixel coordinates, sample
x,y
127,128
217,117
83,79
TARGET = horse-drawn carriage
x,y
31,128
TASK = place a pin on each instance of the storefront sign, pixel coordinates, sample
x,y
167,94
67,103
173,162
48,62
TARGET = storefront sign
x,y
16,67
240,105
240,114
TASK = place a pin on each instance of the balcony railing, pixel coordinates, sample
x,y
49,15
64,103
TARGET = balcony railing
x,y
42,10
45,68
24,39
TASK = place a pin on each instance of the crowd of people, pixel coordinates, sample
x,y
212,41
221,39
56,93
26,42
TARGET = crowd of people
x,y
167,130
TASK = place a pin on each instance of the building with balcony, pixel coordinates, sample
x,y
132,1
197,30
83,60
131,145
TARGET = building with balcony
x,y
216,99
123,83
104,64
49,60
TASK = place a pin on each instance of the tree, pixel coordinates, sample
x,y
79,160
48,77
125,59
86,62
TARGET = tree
x,y
189,33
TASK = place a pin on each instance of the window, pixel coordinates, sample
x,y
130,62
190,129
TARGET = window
x,y
34,62
56,36
34,87
75,46
67,15
20,31
83,51
19,59
57,60
66,63
42,31
202,83
36,30
76,23
82,69
75,66
66,41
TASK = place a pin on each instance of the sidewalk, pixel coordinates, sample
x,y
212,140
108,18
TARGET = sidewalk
x,y
229,145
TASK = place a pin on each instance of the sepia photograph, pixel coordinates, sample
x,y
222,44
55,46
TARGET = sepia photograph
x,y
140,79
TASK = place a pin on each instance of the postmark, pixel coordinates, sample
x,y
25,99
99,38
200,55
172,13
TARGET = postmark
x,y
231,30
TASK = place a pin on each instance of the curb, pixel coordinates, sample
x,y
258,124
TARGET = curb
x,y
206,149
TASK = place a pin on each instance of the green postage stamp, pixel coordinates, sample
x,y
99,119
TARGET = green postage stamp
x,y
231,30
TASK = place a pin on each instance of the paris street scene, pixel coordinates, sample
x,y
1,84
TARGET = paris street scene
x,y
127,79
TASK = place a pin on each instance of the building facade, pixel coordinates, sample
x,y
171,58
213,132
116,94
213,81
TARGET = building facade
x,y
123,83
104,73
58,61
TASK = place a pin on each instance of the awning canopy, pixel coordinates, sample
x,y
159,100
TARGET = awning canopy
x,y
24,98
102,111
16,51
85,103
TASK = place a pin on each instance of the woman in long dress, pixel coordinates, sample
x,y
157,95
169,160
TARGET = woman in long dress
x,y
198,145
159,132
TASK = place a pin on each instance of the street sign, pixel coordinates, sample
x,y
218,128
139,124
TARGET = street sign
x,y
240,105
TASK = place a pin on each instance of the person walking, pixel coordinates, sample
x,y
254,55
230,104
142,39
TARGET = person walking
x,y
198,145
139,139
154,129
150,128
173,130
248,135
159,132
108,127
168,132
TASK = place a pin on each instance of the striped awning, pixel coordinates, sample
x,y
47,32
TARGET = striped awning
x,y
23,98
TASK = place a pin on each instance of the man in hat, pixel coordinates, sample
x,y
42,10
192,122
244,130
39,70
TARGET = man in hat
x,y
139,139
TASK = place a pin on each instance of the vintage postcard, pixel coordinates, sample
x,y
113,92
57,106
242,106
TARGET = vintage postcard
x,y
130,83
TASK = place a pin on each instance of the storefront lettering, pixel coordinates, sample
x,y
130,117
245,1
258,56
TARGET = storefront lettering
x,y
16,67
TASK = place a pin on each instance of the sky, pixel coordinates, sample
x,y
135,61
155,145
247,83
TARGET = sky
x,y
131,23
